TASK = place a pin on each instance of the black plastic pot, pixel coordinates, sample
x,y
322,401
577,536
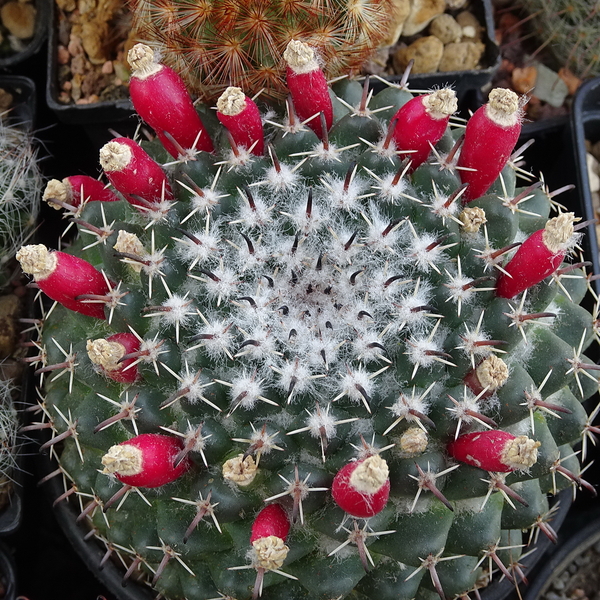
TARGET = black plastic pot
x,y
22,114
11,517
75,114
464,83
87,548
23,91
586,536
503,589
39,36
585,122
8,573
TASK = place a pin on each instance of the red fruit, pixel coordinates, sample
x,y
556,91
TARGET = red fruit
x,y
134,173
490,138
495,450
269,530
537,257
308,86
146,460
271,520
162,100
76,189
64,277
240,115
421,122
107,354
362,488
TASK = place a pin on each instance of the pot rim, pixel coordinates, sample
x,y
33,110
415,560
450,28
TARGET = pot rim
x,y
579,542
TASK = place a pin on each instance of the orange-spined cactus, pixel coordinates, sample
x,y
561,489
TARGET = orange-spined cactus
x,y
219,43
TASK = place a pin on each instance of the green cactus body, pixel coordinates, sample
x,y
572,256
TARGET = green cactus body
x,y
289,323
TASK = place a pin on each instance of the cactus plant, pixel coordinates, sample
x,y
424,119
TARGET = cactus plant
x,y
9,441
218,43
292,374
571,31
20,190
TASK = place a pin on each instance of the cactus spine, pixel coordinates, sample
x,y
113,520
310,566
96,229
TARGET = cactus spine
x,y
219,43
318,332
572,32
20,190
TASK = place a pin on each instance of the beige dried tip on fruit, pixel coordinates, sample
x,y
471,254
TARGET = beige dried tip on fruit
x,y
492,373
370,475
472,218
129,243
115,156
37,260
271,552
413,441
231,102
503,107
558,232
57,190
521,453
124,459
441,103
240,470
105,354
142,62
300,57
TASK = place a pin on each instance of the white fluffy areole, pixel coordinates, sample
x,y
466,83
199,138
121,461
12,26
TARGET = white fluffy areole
x,y
309,292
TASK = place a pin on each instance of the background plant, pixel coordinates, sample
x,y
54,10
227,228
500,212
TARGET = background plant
x,y
21,187
571,31
217,43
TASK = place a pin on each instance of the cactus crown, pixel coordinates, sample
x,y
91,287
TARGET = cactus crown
x,y
312,375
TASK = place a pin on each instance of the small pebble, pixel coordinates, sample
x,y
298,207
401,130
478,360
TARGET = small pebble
x,y
426,52
573,82
469,31
63,55
460,56
559,584
468,19
446,28
523,79
75,48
